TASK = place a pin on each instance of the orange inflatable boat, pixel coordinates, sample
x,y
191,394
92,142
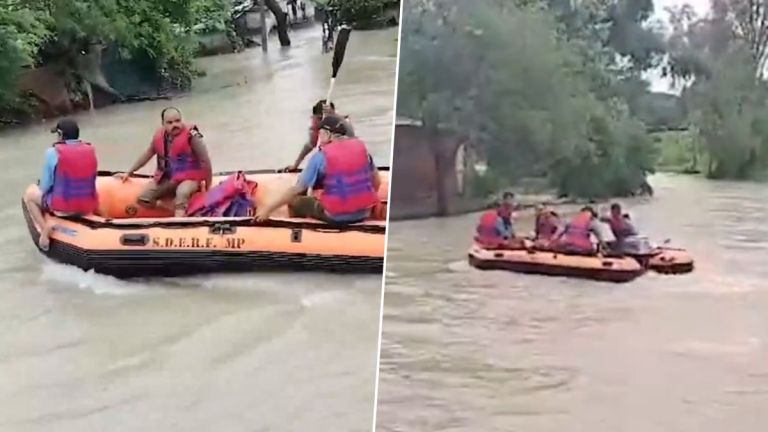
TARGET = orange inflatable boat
x,y
556,264
124,240
667,260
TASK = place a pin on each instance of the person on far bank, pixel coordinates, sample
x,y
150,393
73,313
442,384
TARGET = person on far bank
x,y
344,170
183,164
68,183
496,230
319,110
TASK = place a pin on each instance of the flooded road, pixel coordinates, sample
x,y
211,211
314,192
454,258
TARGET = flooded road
x,y
287,352
465,350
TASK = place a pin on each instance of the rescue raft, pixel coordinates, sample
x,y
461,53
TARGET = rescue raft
x,y
126,241
556,264
666,260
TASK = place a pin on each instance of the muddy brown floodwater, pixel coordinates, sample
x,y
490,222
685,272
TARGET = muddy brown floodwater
x,y
257,352
465,350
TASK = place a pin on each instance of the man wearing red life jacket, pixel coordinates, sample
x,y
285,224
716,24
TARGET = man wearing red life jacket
x,y
547,224
495,229
575,237
319,110
346,173
182,163
620,224
68,183
625,233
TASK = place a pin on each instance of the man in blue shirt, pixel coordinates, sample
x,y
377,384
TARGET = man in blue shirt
x,y
504,223
332,128
38,200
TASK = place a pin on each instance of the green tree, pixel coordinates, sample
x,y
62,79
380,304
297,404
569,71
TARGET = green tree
x,y
538,100
720,59
35,32
22,32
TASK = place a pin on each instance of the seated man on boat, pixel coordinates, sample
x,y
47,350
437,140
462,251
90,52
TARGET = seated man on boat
x,y
343,169
546,225
68,183
319,110
182,163
627,238
575,238
496,230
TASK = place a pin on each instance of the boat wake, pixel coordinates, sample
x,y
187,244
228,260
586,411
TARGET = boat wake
x,y
66,276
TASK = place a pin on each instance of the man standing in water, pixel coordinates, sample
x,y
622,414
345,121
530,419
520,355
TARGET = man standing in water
x,y
182,163
319,110
68,183
294,10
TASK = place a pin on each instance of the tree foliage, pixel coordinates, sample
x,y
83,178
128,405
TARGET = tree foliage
x,y
358,11
721,59
22,32
41,31
536,85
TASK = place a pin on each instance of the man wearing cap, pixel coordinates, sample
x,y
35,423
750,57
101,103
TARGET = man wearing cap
x,y
319,110
68,183
345,171
182,163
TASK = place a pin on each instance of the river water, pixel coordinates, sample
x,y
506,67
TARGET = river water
x,y
465,350
288,352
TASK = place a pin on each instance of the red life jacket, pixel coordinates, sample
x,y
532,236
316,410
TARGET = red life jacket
x,y
577,232
215,201
487,235
347,184
74,181
181,162
546,227
505,212
621,227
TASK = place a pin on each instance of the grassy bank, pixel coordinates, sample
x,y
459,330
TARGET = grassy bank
x,y
679,152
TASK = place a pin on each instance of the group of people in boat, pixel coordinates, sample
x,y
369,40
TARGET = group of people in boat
x,y
342,167
495,230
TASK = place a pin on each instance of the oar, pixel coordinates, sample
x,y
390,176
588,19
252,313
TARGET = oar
x,y
338,57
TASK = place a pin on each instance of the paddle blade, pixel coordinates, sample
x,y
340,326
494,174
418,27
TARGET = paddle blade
x,y
340,49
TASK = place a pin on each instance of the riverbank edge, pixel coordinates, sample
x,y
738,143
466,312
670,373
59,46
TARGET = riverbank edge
x,y
14,122
761,177
526,201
